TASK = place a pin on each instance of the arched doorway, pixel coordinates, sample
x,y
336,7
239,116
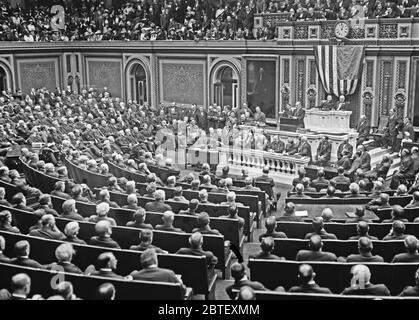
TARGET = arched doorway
x,y
4,83
226,87
138,89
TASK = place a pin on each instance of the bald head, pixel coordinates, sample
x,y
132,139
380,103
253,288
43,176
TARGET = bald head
x,y
106,291
237,271
305,273
316,242
21,284
364,245
103,228
327,214
362,228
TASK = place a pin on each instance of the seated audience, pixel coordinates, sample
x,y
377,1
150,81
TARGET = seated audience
x,y
106,291
168,218
102,210
299,192
365,248
139,217
397,231
22,251
105,266
354,191
289,213
19,202
158,204
233,213
48,229
397,213
327,215
6,222
64,254
412,291
70,211
132,201
359,216
71,232
3,258
192,207
177,195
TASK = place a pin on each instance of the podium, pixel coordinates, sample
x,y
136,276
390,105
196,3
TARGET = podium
x,y
288,124
327,121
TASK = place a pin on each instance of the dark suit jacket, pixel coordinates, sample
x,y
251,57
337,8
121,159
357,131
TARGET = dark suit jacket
x,y
157,206
4,259
74,240
364,257
68,267
406,257
26,262
410,291
106,274
289,218
363,129
300,114
103,242
47,234
369,290
274,234
341,180
365,161
211,259
155,274
309,255
305,150
165,228
60,194
310,288
323,234
263,255
143,247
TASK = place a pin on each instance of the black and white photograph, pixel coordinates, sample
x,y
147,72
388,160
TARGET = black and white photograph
x,y
204,157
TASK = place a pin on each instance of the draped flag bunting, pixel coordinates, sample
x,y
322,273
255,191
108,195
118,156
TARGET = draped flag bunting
x,y
339,67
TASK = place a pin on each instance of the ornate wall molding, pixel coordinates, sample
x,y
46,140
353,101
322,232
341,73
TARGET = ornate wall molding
x,y
6,65
105,72
130,61
38,73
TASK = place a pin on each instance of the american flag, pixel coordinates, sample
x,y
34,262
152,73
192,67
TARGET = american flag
x,y
339,67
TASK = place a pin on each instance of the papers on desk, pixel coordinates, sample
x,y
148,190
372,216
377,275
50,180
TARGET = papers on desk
x,y
303,213
350,214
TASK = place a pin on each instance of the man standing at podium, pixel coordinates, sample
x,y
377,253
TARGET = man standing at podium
x,y
299,114
328,104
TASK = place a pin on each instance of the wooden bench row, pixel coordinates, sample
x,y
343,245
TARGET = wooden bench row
x,y
333,275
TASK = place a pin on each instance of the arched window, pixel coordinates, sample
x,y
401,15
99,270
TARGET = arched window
x,y
138,84
226,87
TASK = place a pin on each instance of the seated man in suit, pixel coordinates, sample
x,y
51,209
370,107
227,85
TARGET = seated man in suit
x,y
315,253
206,182
363,127
168,218
105,197
195,185
203,197
139,218
132,201
70,211
324,151
289,213
222,188
267,247
415,201
178,195
192,207
204,225
64,254
6,220
103,230
299,192
151,272
321,181
381,203
365,248
345,160
3,258
340,178
361,285
411,254
107,264
411,291
406,170
77,192
381,169
362,229
3,201
266,178
318,228
22,251
238,272
44,206
102,210
196,240
354,191
19,202
270,225
146,238
249,184
306,276
171,182
20,287
71,232
397,213
48,229
345,146
304,149
397,231
330,193
232,213
158,204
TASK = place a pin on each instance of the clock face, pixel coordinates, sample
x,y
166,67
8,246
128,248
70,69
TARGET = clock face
x,y
341,29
